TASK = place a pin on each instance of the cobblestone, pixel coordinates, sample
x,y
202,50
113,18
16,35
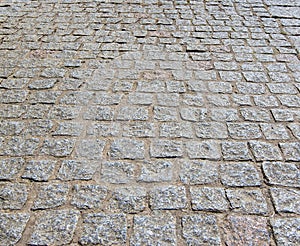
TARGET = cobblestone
x,y
148,122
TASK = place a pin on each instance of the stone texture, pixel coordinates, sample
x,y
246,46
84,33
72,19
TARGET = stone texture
x,y
158,171
13,196
203,150
10,167
105,229
241,230
166,148
158,228
286,231
54,227
12,227
200,230
286,200
39,170
127,149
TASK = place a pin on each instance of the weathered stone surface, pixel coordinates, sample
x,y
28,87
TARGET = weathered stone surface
x,y
39,170
54,227
291,151
51,196
88,196
280,173
235,151
90,149
12,227
208,199
200,230
203,150
247,201
286,200
239,174
168,197
158,171
10,167
127,149
241,230
13,196
264,151
158,228
286,231
58,147
128,200
81,170
166,148
105,229
118,172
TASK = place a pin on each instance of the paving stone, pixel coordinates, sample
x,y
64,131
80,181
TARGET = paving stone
x,y
12,227
200,229
166,148
199,172
68,129
295,128
13,196
280,173
282,115
10,167
133,113
77,170
168,197
51,196
286,231
244,130
247,201
203,149
58,147
157,171
193,114
286,200
241,230
193,99
212,130
127,149
105,229
19,146
251,88
235,151
39,170
224,114
88,196
140,98
158,228
118,172
128,200
104,129
11,128
54,227
90,149
99,113
239,174
255,115
208,199
274,131
162,113
39,127
138,129
264,151
291,151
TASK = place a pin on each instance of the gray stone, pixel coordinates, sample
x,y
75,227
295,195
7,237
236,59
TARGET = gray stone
x,y
286,200
162,113
212,130
280,173
166,148
11,128
156,229
19,146
13,196
128,200
199,172
127,149
224,114
12,111
12,227
244,131
255,115
88,196
295,128
47,97
257,77
200,230
104,229
247,201
51,196
239,174
118,172
168,197
176,130
286,231
139,129
264,151
265,101
248,231
274,131
193,99
39,127
99,113
219,100
39,170
90,149
42,84
251,88
54,227
203,150
193,114
235,151
104,129
58,147
10,167
291,151
68,129
283,115
208,199
77,170
133,113
158,171
140,98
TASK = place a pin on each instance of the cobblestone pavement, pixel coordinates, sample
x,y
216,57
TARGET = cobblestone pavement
x,y
150,122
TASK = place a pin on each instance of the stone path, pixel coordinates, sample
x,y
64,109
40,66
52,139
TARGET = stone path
x,y
149,122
